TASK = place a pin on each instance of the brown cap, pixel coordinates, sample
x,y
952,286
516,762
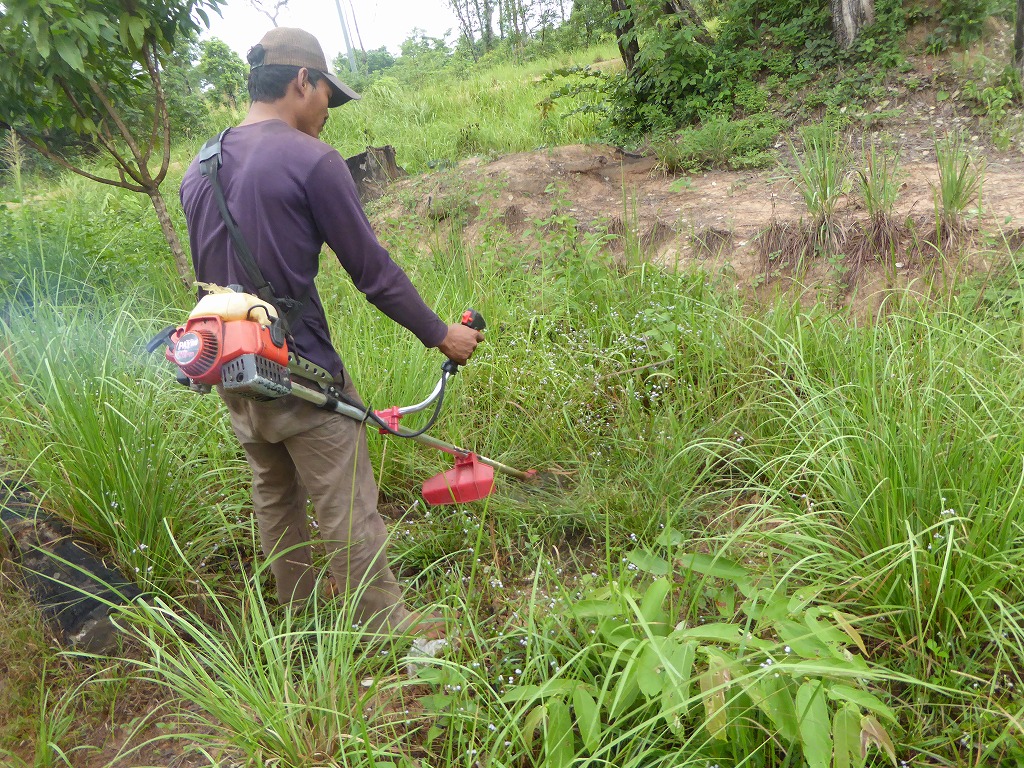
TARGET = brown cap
x,y
298,48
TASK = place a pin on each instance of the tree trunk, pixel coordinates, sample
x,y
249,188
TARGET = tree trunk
x,y
625,36
513,17
488,26
181,261
1018,41
849,17
686,15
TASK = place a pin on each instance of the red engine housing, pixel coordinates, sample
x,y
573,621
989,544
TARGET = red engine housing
x,y
205,344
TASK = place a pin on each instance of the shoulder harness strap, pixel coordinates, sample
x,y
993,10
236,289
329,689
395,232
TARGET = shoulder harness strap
x,y
288,309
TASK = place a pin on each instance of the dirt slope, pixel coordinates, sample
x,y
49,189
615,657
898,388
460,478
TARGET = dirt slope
x,y
714,219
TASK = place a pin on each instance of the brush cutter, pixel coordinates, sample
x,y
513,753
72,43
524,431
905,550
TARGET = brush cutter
x,y
230,340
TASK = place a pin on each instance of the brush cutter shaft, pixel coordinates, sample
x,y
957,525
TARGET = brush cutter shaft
x,y
320,399
405,409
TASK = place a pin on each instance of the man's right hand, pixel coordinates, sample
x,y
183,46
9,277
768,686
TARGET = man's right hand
x,y
459,343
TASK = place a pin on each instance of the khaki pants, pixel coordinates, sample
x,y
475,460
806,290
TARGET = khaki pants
x,y
297,450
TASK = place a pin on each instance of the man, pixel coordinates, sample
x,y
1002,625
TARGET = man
x,y
290,193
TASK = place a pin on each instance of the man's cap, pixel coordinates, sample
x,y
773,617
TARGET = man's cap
x,y
298,48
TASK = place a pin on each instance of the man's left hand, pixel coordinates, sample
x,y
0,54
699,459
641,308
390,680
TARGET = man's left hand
x,y
459,343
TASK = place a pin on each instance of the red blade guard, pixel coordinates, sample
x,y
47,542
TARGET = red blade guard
x,y
468,480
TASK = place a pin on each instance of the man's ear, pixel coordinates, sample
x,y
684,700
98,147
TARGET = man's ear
x,y
299,83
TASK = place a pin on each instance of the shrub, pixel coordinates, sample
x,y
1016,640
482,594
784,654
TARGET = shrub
x,y
721,143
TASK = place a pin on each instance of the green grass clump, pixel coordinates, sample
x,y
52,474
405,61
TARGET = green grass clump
x,y
722,143
822,173
878,181
271,685
959,188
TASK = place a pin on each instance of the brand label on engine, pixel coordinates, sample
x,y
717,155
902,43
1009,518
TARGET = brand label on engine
x,y
186,349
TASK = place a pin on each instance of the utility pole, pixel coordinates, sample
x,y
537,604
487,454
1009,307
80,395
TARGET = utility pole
x,y
348,40
355,23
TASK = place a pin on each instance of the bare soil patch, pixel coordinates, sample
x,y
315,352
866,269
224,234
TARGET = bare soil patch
x,y
723,221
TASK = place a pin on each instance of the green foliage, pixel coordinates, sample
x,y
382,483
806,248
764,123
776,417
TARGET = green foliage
x,y
810,466
588,22
369,65
961,22
189,110
95,69
581,93
73,61
807,469
671,61
742,57
423,58
627,674
222,71
721,143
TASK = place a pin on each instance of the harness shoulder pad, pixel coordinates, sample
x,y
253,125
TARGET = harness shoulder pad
x,y
211,151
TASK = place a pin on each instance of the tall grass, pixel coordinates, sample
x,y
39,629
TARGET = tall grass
x,y
959,188
866,481
591,364
878,180
97,428
271,685
889,474
822,176
74,240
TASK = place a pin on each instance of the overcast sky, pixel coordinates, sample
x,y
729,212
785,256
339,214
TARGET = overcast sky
x,y
380,22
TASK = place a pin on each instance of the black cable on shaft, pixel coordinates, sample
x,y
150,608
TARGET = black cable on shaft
x,y
369,414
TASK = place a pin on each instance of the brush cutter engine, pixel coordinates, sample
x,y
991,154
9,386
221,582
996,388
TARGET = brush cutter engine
x,y
240,355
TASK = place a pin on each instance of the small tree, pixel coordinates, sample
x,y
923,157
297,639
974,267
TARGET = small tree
x,y
222,70
269,8
94,67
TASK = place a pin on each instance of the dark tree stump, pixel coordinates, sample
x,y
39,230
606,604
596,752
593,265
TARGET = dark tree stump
x,y
373,170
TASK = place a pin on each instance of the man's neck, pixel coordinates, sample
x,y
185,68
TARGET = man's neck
x,y
260,111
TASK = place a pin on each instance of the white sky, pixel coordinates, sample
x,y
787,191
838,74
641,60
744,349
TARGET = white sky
x,y
380,22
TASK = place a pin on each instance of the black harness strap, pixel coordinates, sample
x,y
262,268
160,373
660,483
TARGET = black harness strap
x,y
288,309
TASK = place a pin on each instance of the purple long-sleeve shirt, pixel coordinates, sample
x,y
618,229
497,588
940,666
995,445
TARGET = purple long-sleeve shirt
x,y
290,194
